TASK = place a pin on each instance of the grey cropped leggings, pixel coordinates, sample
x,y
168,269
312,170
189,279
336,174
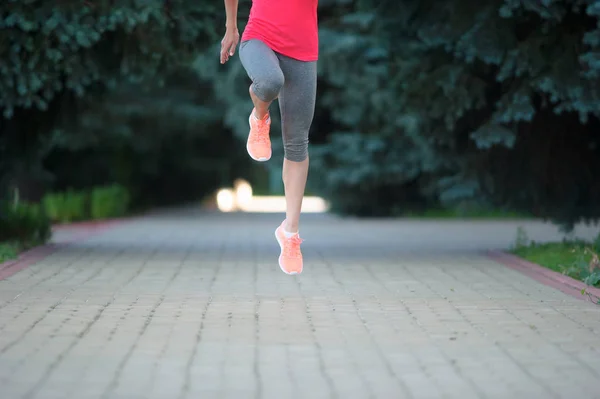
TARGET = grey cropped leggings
x,y
294,82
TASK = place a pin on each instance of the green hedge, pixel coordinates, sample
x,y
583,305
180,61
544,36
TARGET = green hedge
x,y
108,202
98,203
65,206
8,251
24,223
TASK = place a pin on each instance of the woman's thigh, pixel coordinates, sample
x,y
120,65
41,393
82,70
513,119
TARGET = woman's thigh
x,y
297,105
262,66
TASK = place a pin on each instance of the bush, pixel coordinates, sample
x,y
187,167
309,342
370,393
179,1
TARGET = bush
x,y
24,223
65,206
9,250
98,203
109,202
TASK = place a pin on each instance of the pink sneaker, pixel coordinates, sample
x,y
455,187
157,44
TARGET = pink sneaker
x,y
259,142
290,258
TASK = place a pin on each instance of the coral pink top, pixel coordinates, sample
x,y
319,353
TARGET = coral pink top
x,y
288,27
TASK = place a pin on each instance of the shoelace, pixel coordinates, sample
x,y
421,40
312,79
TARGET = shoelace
x,y
261,133
291,248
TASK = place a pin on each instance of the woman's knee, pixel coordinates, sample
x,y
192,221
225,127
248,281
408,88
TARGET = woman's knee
x,y
267,87
296,150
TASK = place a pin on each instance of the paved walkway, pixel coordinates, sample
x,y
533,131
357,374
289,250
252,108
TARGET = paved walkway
x,y
193,306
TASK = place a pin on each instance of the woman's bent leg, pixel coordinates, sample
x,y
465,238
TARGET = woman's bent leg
x,y
262,66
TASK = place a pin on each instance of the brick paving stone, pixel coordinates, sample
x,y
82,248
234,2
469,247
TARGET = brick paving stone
x,y
193,305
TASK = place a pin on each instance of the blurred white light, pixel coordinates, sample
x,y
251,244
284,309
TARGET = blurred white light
x,y
225,200
243,194
241,198
276,204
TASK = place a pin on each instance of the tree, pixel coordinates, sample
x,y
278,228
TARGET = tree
x,y
495,102
165,144
360,158
507,96
58,58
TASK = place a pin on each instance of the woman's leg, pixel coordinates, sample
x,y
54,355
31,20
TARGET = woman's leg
x,y
297,105
262,66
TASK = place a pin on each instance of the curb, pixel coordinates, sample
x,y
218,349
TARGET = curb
x,y
83,230
90,224
25,259
547,277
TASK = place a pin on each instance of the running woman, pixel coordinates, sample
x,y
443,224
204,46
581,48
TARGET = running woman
x,y
279,51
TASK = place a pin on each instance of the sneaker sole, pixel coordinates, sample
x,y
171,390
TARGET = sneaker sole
x,y
279,260
262,159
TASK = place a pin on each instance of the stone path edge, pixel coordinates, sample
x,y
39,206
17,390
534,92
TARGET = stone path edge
x,y
546,276
33,255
